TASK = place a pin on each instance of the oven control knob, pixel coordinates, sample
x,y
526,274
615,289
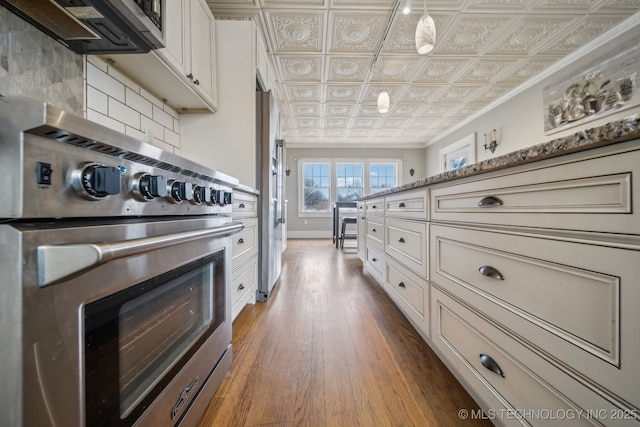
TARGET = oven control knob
x,y
216,196
178,191
200,194
151,186
95,181
227,198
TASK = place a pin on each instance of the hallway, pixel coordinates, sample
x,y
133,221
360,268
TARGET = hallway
x,y
329,348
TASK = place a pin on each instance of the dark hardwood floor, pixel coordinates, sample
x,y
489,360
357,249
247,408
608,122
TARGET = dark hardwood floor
x,y
329,348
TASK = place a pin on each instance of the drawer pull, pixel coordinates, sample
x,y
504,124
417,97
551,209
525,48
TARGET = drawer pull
x,y
488,362
241,287
241,205
401,240
490,201
487,270
373,259
402,285
373,230
241,240
401,205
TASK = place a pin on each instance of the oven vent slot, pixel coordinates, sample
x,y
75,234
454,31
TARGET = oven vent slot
x,y
55,134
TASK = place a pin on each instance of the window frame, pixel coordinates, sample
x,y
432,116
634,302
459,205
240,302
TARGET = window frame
x,y
333,192
340,162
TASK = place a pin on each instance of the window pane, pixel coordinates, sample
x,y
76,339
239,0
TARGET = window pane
x,y
348,182
316,187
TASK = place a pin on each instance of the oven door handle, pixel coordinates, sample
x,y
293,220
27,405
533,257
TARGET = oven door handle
x,y
56,262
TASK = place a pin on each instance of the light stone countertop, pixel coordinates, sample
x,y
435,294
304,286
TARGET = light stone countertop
x,y
614,132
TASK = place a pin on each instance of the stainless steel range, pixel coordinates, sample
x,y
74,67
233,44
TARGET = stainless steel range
x,y
115,266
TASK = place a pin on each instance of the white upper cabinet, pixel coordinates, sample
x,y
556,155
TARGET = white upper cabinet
x,y
184,72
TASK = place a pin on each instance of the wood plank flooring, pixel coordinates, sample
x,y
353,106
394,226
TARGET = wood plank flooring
x,y
329,348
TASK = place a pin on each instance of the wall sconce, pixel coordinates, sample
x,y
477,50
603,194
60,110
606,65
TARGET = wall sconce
x,y
493,144
412,171
288,171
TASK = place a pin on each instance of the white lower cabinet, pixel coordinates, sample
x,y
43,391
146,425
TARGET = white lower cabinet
x,y
518,386
244,252
526,282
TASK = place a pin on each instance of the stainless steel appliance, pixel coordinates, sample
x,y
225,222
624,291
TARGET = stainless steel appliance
x,y
114,303
97,26
270,155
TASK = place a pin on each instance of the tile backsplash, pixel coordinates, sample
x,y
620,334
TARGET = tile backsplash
x,y
116,101
33,64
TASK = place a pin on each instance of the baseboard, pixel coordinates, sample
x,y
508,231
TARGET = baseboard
x,y
308,234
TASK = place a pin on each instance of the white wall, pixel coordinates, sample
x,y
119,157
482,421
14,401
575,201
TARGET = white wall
x,y
519,120
225,141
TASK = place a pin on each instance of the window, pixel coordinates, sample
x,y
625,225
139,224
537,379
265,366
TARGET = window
x,y
381,176
349,182
317,187
324,181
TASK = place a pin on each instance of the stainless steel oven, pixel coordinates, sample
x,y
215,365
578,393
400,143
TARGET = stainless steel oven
x,y
115,303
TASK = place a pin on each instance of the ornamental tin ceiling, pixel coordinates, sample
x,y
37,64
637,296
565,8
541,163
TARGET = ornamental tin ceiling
x,y
322,54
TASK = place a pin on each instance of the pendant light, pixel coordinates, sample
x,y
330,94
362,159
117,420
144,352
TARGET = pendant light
x,y
425,33
383,101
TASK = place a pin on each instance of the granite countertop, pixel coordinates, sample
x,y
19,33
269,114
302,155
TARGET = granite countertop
x,y
614,132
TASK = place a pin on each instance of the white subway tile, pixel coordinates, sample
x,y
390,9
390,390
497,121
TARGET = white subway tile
x,y
97,100
125,80
127,115
162,117
98,62
172,138
104,83
156,129
138,103
151,97
95,116
171,111
135,133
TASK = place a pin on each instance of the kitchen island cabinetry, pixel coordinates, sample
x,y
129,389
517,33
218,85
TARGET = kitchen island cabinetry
x,y
531,288
184,72
244,270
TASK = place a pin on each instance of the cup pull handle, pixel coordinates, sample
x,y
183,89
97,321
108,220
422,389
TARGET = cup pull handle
x,y
373,230
241,240
488,362
402,285
487,270
373,207
401,240
490,201
241,205
241,286
373,259
402,205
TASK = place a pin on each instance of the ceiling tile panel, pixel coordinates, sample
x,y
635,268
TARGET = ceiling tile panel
x,y
301,68
297,32
330,59
348,69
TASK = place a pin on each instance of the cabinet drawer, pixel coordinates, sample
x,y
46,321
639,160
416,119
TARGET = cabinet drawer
x,y
244,205
245,243
374,207
409,291
592,195
407,242
374,263
576,301
407,205
375,232
244,278
517,385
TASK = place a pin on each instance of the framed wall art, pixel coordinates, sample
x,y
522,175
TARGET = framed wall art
x,y
458,154
605,86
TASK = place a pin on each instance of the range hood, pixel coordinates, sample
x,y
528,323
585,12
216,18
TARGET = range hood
x,y
96,26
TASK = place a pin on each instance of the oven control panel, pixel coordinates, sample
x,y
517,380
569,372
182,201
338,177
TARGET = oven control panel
x,y
67,182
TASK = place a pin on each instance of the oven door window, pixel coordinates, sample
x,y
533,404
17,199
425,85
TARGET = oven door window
x,y
137,339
